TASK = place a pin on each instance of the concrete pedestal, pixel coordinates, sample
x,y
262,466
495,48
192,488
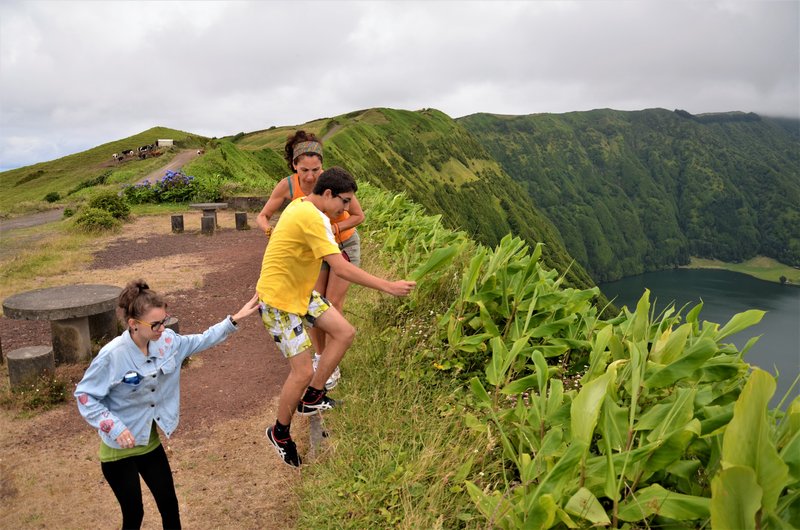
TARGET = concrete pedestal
x,y
26,365
72,341
103,327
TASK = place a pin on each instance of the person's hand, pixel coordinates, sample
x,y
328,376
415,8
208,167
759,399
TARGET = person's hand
x,y
126,440
247,309
401,287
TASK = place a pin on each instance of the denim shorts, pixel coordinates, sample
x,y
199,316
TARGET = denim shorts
x,y
289,329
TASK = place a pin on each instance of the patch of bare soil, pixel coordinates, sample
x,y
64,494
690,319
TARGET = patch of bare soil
x,y
226,474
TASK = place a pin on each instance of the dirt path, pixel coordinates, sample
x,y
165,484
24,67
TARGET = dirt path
x,y
180,160
226,475
33,219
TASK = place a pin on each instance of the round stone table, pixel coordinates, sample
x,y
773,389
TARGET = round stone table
x,y
78,314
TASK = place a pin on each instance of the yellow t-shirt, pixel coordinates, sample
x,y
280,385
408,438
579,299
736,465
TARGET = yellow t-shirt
x,y
293,257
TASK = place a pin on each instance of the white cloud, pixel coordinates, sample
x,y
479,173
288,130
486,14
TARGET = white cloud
x,y
78,74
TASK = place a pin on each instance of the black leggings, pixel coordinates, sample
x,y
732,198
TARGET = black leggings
x,y
123,477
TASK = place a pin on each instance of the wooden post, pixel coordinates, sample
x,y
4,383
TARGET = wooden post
x,y
177,224
241,221
316,434
207,225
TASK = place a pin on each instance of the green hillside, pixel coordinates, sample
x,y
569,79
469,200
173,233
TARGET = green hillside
x,y
638,191
620,192
73,173
439,165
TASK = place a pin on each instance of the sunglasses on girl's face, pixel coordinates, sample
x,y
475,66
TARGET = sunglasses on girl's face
x,y
154,325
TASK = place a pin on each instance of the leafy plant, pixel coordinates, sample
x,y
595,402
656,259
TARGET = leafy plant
x,y
95,220
52,196
638,440
112,203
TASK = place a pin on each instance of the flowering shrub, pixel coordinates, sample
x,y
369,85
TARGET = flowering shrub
x,y
174,186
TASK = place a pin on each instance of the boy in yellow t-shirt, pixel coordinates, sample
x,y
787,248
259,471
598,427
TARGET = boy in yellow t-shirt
x,y
298,245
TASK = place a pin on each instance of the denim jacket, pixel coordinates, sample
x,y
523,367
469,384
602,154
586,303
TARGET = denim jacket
x,y
151,390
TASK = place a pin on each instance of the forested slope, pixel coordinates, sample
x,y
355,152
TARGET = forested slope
x,y
439,165
638,191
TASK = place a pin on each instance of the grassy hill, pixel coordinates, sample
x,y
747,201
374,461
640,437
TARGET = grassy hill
x,y
638,191
621,192
437,163
73,173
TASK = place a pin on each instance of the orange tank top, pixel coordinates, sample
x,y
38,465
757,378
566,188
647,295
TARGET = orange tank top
x,y
295,192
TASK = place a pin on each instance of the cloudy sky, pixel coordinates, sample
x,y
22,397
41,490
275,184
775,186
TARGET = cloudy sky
x,y
74,75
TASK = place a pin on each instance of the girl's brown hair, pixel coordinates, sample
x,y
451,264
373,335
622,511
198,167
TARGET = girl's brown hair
x,y
137,298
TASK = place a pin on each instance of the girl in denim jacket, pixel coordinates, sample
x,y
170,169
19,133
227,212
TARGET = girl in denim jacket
x,y
132,386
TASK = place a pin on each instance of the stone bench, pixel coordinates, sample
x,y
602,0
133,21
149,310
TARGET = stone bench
x,y
27,365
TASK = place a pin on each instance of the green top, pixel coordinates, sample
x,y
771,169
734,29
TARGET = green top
x,y
109,454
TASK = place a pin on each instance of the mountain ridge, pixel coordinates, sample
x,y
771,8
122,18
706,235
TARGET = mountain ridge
x,y
609,187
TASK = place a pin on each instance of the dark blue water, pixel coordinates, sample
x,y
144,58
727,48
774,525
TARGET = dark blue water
x,y
724,294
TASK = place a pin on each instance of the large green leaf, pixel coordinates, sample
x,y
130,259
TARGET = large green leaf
x,y
747,441
494,506
550,328
671,344
739,322
439,258
542,513
614,424
499,363
586,408
735,499
790,441
655,500
520,385
692,360
586,506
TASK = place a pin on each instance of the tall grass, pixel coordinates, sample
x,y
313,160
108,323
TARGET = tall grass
x,y
396,454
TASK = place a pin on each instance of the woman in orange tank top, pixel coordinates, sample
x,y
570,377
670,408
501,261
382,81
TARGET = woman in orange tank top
x,y
303,153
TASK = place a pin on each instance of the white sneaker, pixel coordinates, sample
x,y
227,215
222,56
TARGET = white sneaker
x,y
333,380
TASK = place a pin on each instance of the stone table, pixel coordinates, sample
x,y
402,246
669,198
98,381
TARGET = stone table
x,y
210,209
77,314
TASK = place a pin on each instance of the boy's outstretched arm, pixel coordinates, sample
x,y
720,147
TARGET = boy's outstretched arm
x,y
353,274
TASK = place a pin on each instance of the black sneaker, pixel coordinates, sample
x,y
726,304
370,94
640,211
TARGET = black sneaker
x,y
286,449
309,409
